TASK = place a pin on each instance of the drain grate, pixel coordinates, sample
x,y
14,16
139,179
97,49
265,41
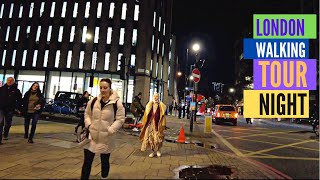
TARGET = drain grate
x,y
207,172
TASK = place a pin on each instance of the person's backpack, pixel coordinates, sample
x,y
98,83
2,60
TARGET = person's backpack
x,y
115,108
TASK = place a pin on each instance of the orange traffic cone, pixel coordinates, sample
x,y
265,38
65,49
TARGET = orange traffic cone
x,y
182,137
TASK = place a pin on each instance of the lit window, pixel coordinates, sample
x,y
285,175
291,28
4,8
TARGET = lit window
x,y
49,33
28,29
158,46
136,12
60,34
1,11
4,57
20,11
17,33
162,49
45,61
84,34
119,61
13,61
24,57
159,23
94,60
134,37
133,59
69,59
11,10
31,10
35,55
52,9
42,9
86,15
56,63
121,40
38,33
154,19
124,10
106,61
151,64
109,33
73,29
157,69
152,42
164,29
7,35
75,10
64,8
81,60
111,11
96,35
99,10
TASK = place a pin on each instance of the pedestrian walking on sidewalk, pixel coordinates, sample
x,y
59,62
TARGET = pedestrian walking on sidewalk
x,y
137,110
153,126
81,107
103,121
31,108
10,97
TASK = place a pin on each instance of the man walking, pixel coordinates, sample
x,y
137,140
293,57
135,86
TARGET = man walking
x,y
12,96
137,110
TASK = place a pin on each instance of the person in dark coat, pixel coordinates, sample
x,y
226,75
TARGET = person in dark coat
x,y
32,106
10,97
81,107
137,109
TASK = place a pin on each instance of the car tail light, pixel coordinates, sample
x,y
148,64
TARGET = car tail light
x,y
236,115
218,114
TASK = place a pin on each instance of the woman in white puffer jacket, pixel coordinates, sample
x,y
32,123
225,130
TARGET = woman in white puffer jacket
x,y
102,124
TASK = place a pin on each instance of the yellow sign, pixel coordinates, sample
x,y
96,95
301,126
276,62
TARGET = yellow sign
x,y
276,104
208,124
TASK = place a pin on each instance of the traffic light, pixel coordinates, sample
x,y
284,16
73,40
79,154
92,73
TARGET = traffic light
x,y
122,67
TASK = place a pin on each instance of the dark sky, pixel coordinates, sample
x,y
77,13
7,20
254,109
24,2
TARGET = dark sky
x,y
217,25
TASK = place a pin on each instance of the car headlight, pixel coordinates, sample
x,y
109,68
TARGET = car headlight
x,y
236,115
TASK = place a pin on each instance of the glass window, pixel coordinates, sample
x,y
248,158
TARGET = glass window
x,y
69,59
81,60
162,49
154,19
60,34
159,23
8,32
20,11
109,33
64,8
121,40
42,9
134,37
49,33
111,11
73,29
52,9
84,34
28,29
152,42
119,61
75,10
161,72
164,29
46,56
1,11
31,10
99,10
106,61
96,35
86,15
38,33
35,55
133,60
157,69
151,65
158,46
136,13
4,56
11,10
94,60
124,10
13,61
24,57
17,33
56,62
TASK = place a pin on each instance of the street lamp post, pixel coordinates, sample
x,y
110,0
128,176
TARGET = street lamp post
x,y
196,48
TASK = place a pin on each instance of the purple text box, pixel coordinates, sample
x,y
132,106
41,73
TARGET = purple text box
x,y
310,75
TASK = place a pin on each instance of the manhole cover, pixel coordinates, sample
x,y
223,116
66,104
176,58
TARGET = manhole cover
x,y
207,172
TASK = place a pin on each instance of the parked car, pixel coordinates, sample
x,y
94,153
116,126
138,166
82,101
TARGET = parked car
x,y
225,113
64,103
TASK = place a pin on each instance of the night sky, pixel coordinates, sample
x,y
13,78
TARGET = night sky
x,y
217,25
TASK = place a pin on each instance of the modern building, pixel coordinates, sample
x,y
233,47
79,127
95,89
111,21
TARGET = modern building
x,y
62,43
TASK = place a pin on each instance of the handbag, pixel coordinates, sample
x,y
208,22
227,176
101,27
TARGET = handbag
x,y
83,138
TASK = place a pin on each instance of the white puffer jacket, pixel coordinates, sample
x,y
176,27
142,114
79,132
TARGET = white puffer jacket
x,y
102,124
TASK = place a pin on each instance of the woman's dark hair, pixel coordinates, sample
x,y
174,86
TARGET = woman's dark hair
x,y
107,80
85,92
38,90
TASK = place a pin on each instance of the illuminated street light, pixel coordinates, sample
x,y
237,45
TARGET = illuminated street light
x,y
179,73
231,90
196,47
191,78
88,36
